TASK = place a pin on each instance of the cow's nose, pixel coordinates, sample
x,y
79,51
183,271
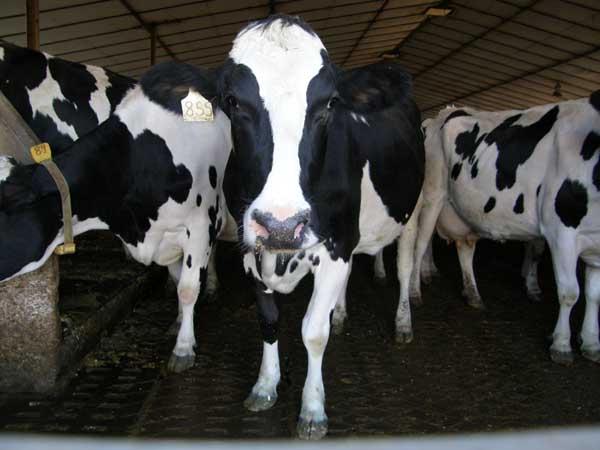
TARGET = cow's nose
x,y
280,234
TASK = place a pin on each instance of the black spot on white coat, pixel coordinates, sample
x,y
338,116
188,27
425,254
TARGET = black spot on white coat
x,y
188,262
519,207
212,176
457,113
590,145
293,266
198,200
571,203
489,205
516,143
595,100
281,264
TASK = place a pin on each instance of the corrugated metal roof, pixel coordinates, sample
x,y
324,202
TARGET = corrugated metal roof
x,y
490,54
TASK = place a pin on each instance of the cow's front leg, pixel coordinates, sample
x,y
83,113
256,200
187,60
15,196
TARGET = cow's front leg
x,y
466,251
193,272
264,392
529,271
339,311
590,347
175,273
330,278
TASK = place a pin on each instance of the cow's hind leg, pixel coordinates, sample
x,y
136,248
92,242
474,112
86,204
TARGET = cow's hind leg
x,y
590,347
379,268
212,280
329,282
564,261
428,267
264,392
404,262
529,271
466,250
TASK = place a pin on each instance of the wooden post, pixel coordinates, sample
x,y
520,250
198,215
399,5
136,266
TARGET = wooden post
x,y
33,24
152,44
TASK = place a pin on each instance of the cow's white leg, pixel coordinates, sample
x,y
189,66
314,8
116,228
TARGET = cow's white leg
x,y
564,261
212,280
529,271
339,312
404,263
175,273
379,268
427,220
590,347
466,250
428,267
195,260
264,392
330,278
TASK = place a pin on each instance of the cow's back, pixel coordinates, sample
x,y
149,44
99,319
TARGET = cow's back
x,y
499,165
59,100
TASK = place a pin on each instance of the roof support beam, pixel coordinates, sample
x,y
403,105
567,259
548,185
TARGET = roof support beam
x,y
33,24
366,30
147,27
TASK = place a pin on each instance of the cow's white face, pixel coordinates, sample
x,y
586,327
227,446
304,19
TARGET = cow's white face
x,y
269,93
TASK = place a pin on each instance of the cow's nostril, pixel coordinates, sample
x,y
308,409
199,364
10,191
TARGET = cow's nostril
x,y
276,233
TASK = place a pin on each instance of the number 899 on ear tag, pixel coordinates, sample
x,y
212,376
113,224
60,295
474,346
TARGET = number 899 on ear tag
x,y
196,108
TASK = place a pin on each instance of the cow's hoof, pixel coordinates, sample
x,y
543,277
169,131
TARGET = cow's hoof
x,y
476,304
178,364
380,281
337,325
592,355
535,297
562,358
211,296
257,402
416,301
311,430
404,336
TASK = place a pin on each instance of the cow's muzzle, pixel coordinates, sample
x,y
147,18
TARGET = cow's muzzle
x,y
275,234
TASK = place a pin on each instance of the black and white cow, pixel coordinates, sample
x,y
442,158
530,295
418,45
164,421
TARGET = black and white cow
x,y
524,175
144,174
60,100
331,163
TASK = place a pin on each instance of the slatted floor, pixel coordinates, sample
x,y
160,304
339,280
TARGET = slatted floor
x,y
466,370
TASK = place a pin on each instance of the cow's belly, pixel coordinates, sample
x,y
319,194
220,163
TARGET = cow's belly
x,y
377,228
451,227
490,213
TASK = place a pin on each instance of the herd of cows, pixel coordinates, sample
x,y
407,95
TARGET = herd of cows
x,y
306,164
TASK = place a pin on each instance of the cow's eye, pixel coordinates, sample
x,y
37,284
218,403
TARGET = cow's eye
x,y
332,101
231,101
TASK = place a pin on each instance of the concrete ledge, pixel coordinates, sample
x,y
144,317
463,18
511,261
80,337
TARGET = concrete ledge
x,y
30,333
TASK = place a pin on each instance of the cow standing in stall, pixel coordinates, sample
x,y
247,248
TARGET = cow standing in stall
x,y
152,179
330,163
524,175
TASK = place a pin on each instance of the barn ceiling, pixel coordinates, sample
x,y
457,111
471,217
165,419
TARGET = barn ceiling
x,y
490,54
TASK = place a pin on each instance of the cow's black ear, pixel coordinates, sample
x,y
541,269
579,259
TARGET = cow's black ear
x,y
374,87
223,73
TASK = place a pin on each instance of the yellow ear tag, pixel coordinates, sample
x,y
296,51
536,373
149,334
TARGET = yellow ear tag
x,y
196,108
41,152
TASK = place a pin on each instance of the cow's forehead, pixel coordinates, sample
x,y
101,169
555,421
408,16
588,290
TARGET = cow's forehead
x,y
282,57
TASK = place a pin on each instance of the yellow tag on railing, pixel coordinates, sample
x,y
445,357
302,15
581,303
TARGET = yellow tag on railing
x,y
41,152
65,249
